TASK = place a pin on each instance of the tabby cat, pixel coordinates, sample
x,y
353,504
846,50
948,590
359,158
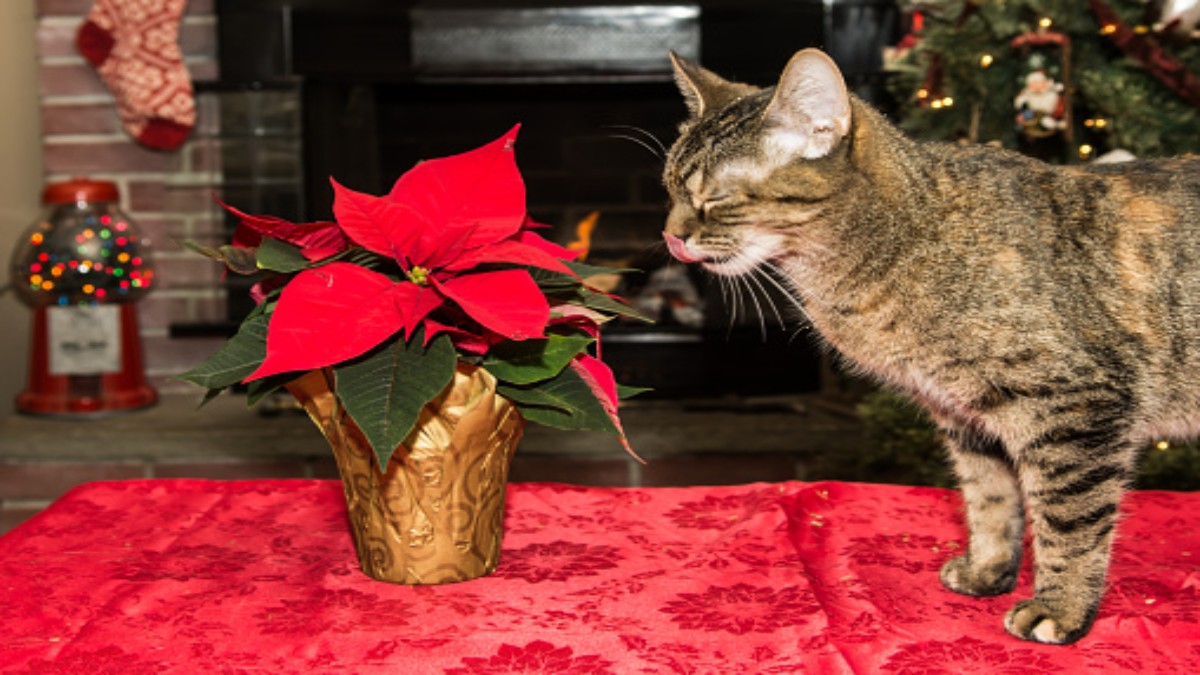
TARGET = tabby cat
x,y
1048,317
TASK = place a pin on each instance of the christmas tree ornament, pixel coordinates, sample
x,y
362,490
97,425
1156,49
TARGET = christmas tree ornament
x,y
1179,18
134,46
1141,47
932,93
1043,104
1130,85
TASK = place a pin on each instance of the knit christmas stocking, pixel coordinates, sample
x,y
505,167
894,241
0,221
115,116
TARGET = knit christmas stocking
x,y
134,46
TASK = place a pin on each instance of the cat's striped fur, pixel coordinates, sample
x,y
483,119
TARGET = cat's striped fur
x,y
1048,317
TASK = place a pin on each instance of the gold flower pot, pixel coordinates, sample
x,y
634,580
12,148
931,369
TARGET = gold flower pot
x,y
437,515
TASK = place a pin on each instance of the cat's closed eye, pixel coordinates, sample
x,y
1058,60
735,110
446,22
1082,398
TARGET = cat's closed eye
x,y
712,203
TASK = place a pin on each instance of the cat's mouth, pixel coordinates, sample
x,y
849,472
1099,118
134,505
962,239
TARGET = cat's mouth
x,y
679,248
724,264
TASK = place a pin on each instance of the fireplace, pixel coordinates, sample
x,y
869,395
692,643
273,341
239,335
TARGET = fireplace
x,y
374,86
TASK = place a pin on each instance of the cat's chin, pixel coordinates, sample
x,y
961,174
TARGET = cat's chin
x,y
731,266
742,262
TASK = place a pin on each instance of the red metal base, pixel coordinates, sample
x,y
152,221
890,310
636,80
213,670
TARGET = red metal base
x,y
86,394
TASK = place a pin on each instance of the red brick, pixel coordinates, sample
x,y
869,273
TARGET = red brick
x,y
156,311
164,355
162,231
145,195
248,470
211,230
203,70
89,118
161,310
57,39
105,157
73,8
198,39
204,156
190,198
70,80
80,8
187,271
48,480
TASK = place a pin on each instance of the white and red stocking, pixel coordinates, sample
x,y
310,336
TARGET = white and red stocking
x,y
134,46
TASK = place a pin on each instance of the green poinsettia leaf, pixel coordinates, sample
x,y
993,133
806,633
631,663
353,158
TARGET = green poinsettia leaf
x,y
529,361
237,259
209,396
240,260
585,270
548,280
280,256
601,302
624,392
564,402
551,282
385,390
203,250
257,390
236,359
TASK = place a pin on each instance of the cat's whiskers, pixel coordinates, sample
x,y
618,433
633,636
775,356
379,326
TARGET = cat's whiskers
x,y
744,281
644,132
731,296
657,149
755,275
789,289
757,289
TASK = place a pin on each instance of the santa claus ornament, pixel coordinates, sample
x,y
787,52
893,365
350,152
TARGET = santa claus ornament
x,y
1043,102
134,46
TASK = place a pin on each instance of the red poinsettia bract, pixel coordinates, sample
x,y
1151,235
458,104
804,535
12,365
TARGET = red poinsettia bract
x,y
443,222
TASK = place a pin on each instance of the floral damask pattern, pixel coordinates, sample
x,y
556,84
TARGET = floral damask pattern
x,y
198,576
720,512
967,654
538,656
558,561
742,608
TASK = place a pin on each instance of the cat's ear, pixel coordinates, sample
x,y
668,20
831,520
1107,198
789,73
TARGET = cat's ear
x,y
704,90
810,111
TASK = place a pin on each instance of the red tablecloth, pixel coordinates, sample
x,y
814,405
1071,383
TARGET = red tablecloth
x,y
229,577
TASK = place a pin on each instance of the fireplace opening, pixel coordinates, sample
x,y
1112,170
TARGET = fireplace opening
x,y
370,101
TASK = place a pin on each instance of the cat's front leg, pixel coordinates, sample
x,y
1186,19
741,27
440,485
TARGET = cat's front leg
x,y
995,518
1073,487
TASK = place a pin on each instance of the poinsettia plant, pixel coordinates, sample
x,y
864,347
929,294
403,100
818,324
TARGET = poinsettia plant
x,y
398,289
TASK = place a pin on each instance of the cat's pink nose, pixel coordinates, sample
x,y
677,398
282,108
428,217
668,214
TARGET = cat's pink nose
x,y
679,249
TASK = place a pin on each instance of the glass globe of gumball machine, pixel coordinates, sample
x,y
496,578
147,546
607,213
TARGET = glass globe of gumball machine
x,y
82,268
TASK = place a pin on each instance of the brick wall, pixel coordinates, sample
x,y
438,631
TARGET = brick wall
x,y
166,193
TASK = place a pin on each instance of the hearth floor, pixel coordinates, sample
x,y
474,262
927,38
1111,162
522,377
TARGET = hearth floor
x,y
684,442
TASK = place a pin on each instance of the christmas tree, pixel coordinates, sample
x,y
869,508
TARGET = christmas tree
x,y
1066,80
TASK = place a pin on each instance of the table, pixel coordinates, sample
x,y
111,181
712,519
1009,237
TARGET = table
x,y
226,577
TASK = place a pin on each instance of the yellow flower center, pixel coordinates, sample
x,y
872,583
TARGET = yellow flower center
x,y
419,275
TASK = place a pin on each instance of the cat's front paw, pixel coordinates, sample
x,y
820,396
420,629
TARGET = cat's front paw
x,y
979,581
1040,622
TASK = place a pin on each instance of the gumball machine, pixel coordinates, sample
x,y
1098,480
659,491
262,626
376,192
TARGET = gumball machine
x,y
82,268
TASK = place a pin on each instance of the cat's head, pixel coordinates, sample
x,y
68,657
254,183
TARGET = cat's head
x,y
752,165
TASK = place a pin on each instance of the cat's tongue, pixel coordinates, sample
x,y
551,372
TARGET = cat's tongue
x,y
679,249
